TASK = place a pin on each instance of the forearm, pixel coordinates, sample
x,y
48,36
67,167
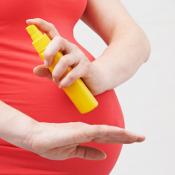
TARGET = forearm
x,y
126,52
14,125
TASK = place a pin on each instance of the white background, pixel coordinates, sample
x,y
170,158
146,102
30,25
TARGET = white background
x,y
147,99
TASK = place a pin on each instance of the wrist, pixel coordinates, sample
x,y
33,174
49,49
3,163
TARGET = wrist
x,y
27,140
104,72
113,73
14,125
97,78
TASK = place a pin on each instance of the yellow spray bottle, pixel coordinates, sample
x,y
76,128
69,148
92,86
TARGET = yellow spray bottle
x,y
78,92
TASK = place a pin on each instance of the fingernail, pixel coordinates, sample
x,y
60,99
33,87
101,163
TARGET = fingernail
x,y
46,63
27,20
141,139
60,86
101,156
105,156
54,80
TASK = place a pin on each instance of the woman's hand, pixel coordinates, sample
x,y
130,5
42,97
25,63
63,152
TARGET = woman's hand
x,y
59,141
91,73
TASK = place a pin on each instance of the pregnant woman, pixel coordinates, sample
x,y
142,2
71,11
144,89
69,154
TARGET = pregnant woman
x,y
41,131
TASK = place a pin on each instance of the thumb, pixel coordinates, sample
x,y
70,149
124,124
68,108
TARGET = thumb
x,y
89,153
42,71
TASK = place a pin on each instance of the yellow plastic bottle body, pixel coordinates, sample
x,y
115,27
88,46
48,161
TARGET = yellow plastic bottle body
x,y
78,92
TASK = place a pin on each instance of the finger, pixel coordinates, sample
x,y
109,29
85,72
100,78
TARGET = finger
x,y
57,44
59,153
88,153
122,140
73,75
45,26
63,64
42,71
67,152
112,134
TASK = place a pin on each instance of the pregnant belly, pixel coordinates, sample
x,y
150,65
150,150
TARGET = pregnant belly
x,y
42,100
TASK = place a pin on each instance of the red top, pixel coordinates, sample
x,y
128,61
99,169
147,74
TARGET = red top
x,y
40,98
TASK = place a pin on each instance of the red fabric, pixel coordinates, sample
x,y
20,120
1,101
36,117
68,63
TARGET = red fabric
x,y
40,98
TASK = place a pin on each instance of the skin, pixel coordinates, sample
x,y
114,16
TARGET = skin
x,y
127,49
59,141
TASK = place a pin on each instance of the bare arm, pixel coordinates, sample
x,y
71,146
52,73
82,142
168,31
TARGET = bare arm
x,y
14,125
128,47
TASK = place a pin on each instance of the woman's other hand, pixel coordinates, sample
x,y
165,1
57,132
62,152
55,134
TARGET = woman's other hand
x,y
91,73
59,141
